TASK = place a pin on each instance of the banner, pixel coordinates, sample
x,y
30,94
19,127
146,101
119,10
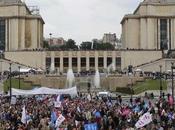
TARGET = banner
x,y
57,104
144,120
23,118
90,126
45,90
59,120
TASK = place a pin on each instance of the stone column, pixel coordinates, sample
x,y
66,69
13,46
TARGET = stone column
x,y
87,61
96,60
114,60
105,59
70,60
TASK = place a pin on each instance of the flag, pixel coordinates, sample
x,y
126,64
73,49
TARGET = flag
x,y
53,117
144,120
58,98
170,100
59,120
23,118
57,104
90,126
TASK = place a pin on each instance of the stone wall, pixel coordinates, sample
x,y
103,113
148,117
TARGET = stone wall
x,y
107,83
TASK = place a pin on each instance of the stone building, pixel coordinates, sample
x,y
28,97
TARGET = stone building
x,y
144,33
110,38
21,27
151,26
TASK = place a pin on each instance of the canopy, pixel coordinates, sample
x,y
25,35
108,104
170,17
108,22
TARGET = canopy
x,y
25,70
138,70
44,90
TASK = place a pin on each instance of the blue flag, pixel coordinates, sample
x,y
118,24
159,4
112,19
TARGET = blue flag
x,y
53,117
90,126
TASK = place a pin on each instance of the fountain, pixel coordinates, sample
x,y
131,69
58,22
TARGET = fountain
x,y
110,68
70,79
97,79
52,68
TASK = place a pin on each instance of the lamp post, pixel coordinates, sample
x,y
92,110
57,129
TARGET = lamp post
x,y
19,77
172,67
10,87
131,89
160,80
50,37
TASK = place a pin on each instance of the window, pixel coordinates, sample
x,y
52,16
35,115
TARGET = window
x,y
74,62
109,61
57,62
100,62
2,34
48,62
65,62
163,34
118,61
83,62
92,62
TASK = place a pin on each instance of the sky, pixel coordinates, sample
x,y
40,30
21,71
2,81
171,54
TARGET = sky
x,y
83,20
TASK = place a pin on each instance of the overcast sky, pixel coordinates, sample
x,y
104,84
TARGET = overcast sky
x,y
83,20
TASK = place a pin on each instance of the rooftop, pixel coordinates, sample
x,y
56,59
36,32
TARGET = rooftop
x,y
159,1
10,1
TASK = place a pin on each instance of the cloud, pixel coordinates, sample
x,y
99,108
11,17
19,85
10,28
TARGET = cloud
x,y
83,20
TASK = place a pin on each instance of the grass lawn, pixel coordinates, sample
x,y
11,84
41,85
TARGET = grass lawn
x,y
149,85
15,84
143,86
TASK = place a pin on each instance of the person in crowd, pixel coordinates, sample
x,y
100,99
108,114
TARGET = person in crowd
x,y
81,113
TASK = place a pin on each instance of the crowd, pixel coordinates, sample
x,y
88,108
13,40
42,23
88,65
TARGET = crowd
x,y
82,113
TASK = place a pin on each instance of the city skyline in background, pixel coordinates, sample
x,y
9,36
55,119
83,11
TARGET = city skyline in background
x,y
83,20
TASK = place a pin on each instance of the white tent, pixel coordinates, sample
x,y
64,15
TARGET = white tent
x,y
138,70
44,90
24,70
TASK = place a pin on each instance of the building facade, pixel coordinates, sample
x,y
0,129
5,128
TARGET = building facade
x,y
56,41
109,38
83,60
20,27
151,26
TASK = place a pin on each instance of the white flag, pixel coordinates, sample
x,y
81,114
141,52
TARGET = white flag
x,y
144,120
58,98
23,118
59,120
13,100
57,104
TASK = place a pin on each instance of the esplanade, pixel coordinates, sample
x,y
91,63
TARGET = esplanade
x,y
147,37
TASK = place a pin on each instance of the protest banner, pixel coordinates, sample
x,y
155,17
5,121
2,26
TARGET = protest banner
x,y
92,126
59,120
144,120
57,104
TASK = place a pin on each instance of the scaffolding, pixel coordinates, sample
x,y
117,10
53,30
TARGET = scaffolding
x,y
34,10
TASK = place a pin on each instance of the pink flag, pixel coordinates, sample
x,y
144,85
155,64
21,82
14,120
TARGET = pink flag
x,y
170,100
126,112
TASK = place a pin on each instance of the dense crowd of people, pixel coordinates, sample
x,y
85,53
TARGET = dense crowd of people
x,y
105,113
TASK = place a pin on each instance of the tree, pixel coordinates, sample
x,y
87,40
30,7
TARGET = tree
x,y
45,44
103,46
86,46
71,44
